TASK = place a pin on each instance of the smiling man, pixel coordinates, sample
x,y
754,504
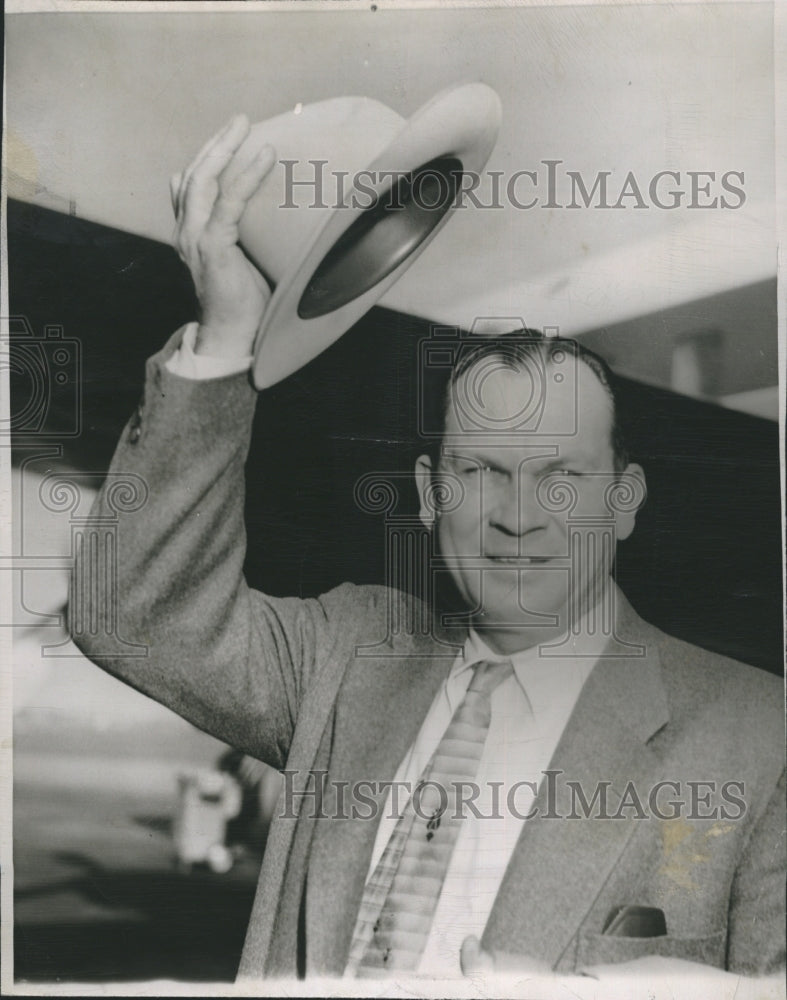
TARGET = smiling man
x,y
549,784
530,429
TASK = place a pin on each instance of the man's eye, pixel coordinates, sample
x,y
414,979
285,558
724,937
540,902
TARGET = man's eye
x,y
487,471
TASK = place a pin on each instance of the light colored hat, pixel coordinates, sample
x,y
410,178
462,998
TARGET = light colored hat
x,y
356,195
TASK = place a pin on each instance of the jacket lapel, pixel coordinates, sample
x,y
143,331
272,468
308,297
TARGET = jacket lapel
x,y
379,712
559,864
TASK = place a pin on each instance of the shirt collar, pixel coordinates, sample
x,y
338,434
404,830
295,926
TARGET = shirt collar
x,y
545,677
546,681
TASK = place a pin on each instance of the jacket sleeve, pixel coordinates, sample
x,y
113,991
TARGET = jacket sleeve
x,y
229,659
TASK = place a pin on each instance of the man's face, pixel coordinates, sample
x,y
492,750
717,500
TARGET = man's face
x,y
524,535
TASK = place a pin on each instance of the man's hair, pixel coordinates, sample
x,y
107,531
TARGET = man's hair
x,y
516,351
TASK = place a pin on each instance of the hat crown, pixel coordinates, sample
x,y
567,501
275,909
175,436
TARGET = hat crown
x,y
320,148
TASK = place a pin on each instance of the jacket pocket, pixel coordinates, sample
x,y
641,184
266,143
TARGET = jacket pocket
x,y
606,949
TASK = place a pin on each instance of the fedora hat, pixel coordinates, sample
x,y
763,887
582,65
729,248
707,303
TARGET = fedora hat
x,y
356,194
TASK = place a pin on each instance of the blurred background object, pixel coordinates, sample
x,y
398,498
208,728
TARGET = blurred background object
x,y
207,800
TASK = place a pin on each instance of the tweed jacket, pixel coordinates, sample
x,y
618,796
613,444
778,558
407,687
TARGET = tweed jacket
x,y
328,685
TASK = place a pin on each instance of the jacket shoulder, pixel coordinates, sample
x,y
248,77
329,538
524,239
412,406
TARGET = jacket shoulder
x,y
694,666
734,698
395,618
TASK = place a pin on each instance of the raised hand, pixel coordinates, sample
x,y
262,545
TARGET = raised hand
x,y
208,199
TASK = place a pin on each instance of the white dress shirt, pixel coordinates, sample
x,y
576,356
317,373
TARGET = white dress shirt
x,y
187,364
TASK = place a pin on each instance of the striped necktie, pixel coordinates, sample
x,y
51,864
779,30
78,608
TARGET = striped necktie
x,y
401,894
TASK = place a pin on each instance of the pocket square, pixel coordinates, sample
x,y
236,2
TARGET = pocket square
x,y
635,922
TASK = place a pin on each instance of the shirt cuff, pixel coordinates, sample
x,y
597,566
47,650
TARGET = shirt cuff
x,y
185,363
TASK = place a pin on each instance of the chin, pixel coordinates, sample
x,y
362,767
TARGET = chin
x,y
503,604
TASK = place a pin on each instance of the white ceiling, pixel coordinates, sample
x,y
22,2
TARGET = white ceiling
x,y
103,107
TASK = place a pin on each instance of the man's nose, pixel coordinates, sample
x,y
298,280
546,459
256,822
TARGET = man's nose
x,y
515,510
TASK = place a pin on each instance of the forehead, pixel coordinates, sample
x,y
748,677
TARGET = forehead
x,y
537,402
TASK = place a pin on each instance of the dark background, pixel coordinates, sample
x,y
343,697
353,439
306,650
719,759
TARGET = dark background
x,y
704,562
97,896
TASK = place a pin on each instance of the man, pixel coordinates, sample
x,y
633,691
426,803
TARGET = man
x,y
576,787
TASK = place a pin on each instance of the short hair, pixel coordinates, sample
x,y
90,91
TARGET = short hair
x,y
513,350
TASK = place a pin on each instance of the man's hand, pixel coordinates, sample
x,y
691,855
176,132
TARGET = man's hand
x,y
475,961
209,198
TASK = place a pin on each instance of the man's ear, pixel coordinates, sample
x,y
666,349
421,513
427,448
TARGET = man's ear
x,y
633,493
423,483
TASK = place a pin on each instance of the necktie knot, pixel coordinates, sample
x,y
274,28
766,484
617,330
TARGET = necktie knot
x,y
489,674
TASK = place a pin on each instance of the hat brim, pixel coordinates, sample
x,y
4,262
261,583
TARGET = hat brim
x,y
362,249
